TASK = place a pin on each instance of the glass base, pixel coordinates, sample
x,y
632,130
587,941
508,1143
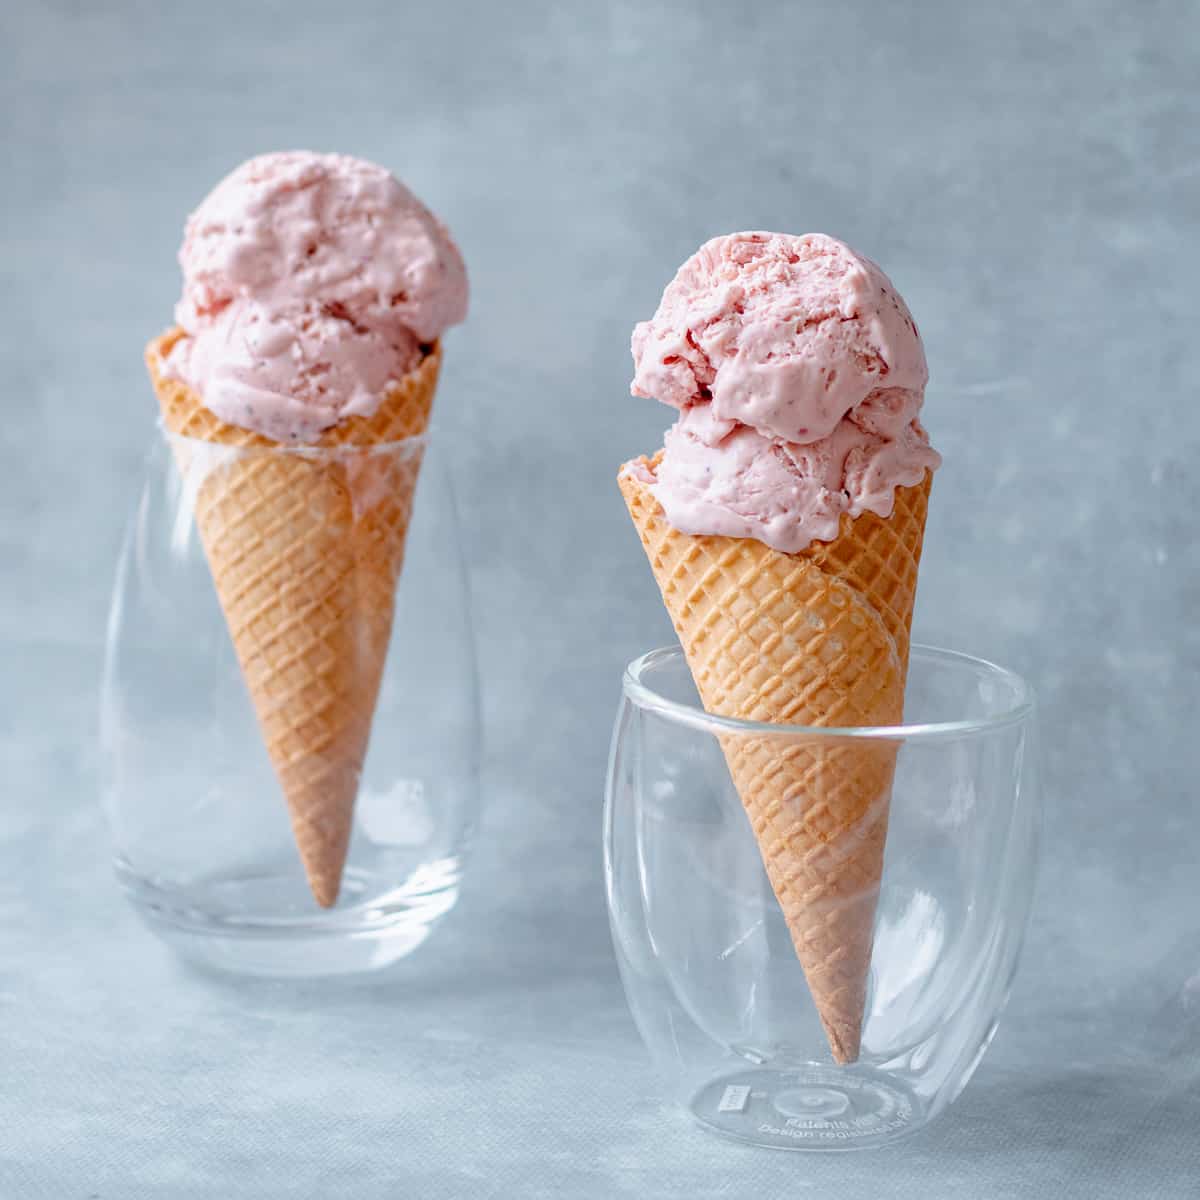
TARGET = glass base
x,y
264,922
812,1106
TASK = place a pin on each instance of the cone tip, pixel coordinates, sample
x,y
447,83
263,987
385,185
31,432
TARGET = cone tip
x,y
844,1041
325,889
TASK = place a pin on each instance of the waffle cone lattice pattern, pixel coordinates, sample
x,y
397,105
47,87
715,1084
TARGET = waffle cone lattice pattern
x,y
819,638
305,550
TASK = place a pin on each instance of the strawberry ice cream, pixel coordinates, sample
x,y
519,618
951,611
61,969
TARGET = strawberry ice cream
x,y
799,375
311,283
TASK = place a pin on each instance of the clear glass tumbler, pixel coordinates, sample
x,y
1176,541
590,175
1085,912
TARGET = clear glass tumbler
x,y
710,971
204,845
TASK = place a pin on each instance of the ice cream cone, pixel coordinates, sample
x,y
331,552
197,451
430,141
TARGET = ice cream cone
x,y
818,638
305,551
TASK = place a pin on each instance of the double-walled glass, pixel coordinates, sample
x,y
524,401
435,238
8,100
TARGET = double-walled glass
x,y
707,958
204,845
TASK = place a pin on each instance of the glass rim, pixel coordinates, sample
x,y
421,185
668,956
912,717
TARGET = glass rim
x,y
641,694
300,449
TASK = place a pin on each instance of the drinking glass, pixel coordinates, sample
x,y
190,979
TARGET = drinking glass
x,y
203,844
713,980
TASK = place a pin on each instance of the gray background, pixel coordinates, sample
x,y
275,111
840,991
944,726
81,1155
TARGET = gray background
x,y
1028,174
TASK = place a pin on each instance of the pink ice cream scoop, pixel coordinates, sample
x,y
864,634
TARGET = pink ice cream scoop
x,y
799,375
311,282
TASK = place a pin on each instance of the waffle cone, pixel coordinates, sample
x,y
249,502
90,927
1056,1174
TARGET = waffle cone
x,y
817,638
305,551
